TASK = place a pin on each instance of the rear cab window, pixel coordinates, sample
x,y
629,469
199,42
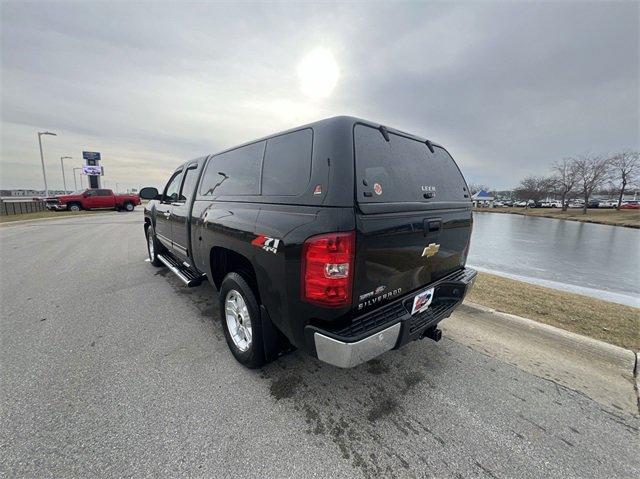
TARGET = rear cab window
x,y
403,170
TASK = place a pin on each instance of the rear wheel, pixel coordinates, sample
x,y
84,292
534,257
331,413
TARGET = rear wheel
x,y
153,247
240,315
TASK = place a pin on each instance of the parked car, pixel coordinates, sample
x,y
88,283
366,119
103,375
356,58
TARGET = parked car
x,y
520,204
337,237
630,205
92,199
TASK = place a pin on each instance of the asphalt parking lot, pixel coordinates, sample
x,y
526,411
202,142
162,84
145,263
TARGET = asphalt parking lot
x,y
110,367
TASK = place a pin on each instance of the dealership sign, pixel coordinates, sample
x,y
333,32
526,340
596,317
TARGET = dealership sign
x,y
92,170
91,155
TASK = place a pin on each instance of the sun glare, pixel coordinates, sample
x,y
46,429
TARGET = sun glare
x,y
318,73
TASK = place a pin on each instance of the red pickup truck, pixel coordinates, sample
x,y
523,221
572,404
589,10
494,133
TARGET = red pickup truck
x,y
94,198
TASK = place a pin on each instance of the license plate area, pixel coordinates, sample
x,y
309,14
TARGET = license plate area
x,y
422,300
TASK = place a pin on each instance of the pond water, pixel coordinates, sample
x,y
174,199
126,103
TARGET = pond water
x,y
596,260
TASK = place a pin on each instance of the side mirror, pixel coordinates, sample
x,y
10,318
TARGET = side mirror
x,y
149,193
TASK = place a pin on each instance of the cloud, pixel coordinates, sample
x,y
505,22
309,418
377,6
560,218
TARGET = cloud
x,y
507,87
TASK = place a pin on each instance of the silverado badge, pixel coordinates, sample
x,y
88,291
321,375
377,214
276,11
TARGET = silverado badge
x,y
430,250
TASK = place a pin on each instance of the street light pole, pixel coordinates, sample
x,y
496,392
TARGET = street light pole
x,y
64,182
75,185
44,173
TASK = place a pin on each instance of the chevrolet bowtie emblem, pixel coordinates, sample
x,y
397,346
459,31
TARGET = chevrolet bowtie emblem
x,y
430,250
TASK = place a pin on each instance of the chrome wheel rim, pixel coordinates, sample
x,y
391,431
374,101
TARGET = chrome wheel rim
x,y
129,207
75,208
238,320
150,245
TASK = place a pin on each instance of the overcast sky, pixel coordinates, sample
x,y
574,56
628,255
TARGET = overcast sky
x,y
506,87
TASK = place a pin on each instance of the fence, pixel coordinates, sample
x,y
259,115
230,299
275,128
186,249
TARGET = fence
x,y
18,207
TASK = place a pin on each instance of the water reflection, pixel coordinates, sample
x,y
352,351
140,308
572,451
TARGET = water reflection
x,y
599,260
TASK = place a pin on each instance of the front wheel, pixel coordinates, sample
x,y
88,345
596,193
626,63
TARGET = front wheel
x,y
129,207
241,323
74,207
152,247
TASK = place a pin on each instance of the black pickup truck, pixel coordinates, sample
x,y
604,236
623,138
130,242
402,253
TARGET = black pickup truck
x,y
344,238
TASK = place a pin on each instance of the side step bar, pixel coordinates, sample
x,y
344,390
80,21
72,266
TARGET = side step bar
x,y
187,276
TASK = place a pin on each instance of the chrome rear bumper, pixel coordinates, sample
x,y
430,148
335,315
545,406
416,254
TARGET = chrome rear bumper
x,y
348,355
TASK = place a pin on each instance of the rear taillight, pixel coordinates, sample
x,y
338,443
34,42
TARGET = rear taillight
x,y
327,269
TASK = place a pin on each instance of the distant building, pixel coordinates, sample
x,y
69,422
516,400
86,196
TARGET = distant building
x,y
482,197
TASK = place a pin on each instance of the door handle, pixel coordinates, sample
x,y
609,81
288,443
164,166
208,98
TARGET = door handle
x,y
167,214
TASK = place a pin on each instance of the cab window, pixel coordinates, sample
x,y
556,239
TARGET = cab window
x,y
104,192
171,190
91,193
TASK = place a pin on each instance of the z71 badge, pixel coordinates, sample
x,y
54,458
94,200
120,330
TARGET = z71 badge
x,y
267,243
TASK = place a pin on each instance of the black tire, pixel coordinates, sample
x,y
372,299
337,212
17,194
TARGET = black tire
x,y
128,206
253,357
74,207
153,256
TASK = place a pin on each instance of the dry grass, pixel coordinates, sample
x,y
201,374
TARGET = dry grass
x,y
47,214
611,322
628,218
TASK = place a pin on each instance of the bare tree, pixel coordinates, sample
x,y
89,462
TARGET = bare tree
x,y
565,178
592,172
534,188
626,167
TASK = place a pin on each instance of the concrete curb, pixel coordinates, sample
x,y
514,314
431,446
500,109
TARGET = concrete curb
x,y
603,372
614,356
636,374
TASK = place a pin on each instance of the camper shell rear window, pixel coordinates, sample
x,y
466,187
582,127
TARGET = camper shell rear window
x,y
403,169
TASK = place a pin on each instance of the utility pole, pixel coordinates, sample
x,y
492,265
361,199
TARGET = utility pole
x,y
44,173
64,181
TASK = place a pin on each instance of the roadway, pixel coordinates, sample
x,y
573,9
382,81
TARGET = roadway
x,y
109,367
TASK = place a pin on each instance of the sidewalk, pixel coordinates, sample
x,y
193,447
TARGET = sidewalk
x,y
601,371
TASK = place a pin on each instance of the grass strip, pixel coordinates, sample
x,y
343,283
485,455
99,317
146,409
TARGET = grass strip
x,y
611,322
613,217
47,214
